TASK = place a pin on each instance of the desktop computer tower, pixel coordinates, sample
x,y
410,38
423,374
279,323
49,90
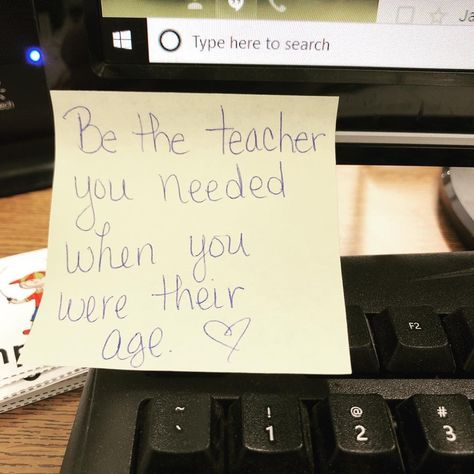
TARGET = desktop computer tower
x,y
26,121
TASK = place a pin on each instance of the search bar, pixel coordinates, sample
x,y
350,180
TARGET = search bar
x,y
255,42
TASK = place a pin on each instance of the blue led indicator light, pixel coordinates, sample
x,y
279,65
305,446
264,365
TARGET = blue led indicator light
x,y
34,56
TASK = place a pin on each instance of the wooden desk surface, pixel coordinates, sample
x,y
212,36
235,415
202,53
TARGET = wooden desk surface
x,y
382,210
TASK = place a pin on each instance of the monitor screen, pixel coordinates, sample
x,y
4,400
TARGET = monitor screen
x,y
414,34
403,69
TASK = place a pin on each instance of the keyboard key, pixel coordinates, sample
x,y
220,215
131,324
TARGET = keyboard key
x,y
460,329
363,356
354,434
437,432
269,434
180,434
411,340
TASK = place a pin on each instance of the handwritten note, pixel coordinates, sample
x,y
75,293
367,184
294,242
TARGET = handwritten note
x,y
193,232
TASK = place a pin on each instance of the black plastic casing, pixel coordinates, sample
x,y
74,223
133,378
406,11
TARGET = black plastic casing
x,y
370,99
104,437
26,119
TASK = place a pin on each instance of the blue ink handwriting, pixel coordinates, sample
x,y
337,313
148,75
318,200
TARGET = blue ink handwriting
x,y
106,257
135,349
268,140
203,298
96,189
91,138
227,335
215,248
91,308
173,143
213,191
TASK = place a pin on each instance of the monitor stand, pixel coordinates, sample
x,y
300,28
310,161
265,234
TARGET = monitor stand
x,y
457,198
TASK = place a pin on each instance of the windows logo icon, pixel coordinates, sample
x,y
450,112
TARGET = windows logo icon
x,y
122,39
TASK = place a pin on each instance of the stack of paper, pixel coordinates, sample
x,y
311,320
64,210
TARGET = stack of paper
x,y
22,279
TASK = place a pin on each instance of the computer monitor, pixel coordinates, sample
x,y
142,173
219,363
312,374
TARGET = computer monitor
x,y
403,69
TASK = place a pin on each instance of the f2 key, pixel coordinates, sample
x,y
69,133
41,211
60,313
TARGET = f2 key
x,y
411,340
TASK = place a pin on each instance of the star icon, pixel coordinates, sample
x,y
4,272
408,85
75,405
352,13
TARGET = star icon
x,y
437,17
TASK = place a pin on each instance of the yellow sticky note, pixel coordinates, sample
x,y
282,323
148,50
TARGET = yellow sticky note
x,y
193,232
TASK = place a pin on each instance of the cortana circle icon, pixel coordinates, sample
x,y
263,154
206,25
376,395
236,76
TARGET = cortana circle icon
x,y
170,40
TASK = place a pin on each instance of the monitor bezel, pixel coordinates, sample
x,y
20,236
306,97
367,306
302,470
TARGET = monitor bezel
x,y
299,80
264,73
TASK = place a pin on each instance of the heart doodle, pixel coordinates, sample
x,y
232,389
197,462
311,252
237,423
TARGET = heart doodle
x,y
227,335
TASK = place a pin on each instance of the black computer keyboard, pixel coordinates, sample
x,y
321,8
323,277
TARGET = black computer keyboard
x,y
408,407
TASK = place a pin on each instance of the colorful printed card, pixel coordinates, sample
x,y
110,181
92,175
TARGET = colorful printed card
x,y
22,280
193,232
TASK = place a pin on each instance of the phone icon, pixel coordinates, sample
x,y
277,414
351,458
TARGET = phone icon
x,y
279,8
